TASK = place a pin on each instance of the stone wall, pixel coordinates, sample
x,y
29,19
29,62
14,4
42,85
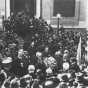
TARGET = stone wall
x,y
47,11
2,4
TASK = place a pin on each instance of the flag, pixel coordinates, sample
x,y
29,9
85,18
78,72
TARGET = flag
x,y
79,52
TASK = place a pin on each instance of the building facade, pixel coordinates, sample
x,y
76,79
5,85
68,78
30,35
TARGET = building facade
x,y
46,9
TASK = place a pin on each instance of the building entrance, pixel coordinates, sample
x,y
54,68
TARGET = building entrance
x,y
28,6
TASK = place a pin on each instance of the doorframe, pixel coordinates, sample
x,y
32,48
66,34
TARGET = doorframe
x,y
37,7
7,8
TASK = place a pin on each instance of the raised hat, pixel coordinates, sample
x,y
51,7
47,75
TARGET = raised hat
x,y
7,60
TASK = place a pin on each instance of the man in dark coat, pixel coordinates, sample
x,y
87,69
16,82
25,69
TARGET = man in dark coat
x,y
59,58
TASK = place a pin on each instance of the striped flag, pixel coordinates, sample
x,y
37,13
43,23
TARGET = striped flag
x,y
79,52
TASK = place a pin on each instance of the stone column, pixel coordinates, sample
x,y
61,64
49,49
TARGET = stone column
x,y
47,10
87,29
7,8
38,8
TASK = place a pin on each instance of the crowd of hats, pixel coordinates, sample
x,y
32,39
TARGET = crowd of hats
x,y
34,54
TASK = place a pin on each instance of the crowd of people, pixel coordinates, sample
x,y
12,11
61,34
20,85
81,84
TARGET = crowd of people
x,y
34,55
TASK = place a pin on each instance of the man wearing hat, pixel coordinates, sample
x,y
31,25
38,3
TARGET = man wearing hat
x,y
40,64
59,58
51,81
73,64
29,77
66,55
6,65
18,68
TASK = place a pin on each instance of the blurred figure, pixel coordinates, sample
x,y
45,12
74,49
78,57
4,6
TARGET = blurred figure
x,y
59,58
7,65
66,66
40,65
46,51
73,64
3,76
27,79
66,55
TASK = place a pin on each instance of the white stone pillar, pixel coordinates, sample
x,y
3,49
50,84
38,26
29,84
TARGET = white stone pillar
x,y
7,8
47,9
87,28
38,8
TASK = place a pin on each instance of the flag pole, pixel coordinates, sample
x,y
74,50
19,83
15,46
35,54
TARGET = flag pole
x,y
79,52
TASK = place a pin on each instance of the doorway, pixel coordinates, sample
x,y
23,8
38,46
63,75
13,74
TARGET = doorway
x,y
28,6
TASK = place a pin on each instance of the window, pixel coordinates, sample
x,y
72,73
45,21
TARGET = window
x,y
69,9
